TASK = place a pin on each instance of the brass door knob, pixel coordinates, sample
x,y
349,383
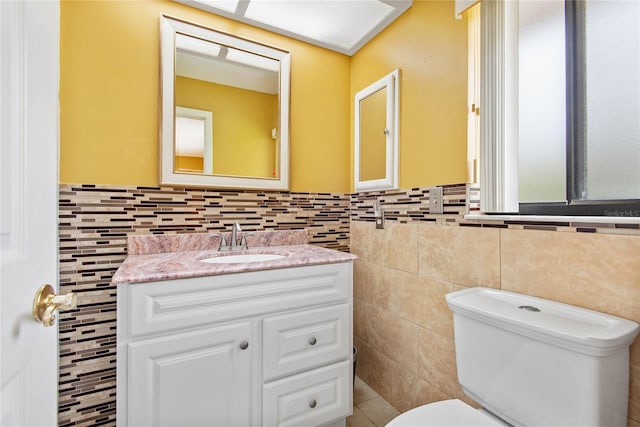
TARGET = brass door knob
x,y
46,302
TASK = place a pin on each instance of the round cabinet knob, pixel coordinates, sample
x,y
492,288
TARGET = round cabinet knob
x,y
313,403
244,345
312,341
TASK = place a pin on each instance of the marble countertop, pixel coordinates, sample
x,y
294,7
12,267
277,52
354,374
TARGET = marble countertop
x,y
143,267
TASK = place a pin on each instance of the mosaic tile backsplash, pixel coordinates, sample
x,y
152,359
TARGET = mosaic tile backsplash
x,y
410,205
94,222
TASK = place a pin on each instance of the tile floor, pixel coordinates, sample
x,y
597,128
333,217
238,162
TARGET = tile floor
x,y
369,409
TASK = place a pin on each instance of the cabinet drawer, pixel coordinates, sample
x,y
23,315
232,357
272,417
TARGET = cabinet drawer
x,y
177,304
299,341
308,399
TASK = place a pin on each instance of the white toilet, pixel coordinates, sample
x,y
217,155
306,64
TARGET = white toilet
x,y
532,362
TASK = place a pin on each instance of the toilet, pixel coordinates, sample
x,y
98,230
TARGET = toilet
x,y
532,362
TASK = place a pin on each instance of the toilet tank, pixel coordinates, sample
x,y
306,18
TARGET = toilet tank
x,y
537,362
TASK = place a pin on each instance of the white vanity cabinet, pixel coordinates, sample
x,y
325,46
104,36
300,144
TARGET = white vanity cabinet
x,y
264,348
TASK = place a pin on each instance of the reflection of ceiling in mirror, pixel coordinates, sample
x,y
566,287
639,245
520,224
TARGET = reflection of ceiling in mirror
x,y
341,25
196,46
203,60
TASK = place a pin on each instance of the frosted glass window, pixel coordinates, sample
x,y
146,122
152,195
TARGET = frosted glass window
x,y
612,94
577,64
542,101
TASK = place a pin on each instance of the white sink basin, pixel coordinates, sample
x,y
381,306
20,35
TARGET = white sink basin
x,y
242,258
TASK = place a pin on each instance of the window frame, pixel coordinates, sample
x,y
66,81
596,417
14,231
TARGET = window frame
x,y
498,178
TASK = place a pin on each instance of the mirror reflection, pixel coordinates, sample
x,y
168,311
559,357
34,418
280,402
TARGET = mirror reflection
x,y
373,136
193,150
225,109
240,90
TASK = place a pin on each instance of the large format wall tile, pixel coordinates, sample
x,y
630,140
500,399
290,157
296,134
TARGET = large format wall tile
x,y
393,336
596,271
408,390
368,282
438,362
395,246
360,320
374,368
359,239
462,255
634,392
418,299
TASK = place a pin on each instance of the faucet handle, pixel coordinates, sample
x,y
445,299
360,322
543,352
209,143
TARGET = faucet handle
x,y
223,243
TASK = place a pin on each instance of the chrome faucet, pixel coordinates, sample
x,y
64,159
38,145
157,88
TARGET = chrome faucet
x,y
235,229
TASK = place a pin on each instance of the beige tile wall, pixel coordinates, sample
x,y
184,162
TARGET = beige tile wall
x,y
403,328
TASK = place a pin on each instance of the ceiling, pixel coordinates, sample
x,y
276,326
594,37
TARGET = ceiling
x,y
204,60
340,25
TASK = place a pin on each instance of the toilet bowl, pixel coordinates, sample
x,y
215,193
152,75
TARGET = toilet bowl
x,y
531,361
446,413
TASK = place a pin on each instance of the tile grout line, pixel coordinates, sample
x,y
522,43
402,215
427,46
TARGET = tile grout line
x,y
375,395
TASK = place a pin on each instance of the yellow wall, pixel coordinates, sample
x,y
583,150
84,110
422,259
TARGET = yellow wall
x,y
242,123
109,91
188,163
430,47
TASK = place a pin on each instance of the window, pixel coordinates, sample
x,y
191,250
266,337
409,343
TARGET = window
x,y
561,107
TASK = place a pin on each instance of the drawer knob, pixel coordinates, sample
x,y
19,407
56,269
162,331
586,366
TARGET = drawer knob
x,y
313,403
312,341
244,345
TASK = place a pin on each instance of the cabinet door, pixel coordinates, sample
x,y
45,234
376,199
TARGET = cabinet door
x,y
195,378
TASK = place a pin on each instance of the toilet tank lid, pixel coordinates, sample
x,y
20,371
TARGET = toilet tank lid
x,y
561,324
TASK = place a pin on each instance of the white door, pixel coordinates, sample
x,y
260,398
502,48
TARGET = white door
x,y
29,68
